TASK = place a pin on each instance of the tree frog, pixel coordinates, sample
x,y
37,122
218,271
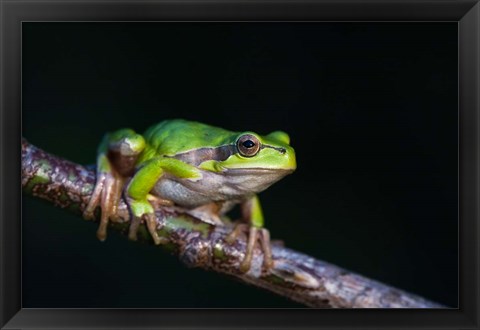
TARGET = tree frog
x,y
201,168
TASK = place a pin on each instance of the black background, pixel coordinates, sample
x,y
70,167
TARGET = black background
x,y
371,109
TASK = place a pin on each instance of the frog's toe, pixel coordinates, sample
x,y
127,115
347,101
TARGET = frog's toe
x,y
117,190
247,260
152,225
143,212
254,234
133,229
88,213
106,206
106,194
267,248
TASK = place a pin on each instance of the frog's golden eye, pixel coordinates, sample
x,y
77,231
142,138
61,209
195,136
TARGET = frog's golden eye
x,y
248,145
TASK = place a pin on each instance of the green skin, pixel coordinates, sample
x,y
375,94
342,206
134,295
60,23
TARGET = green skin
x,y
202,168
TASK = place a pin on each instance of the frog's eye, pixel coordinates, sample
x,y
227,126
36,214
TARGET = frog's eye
x,y
248,145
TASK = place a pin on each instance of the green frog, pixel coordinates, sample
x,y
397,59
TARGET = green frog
x,y
203,169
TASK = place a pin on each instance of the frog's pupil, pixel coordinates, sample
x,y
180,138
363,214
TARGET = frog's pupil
x,y
248,144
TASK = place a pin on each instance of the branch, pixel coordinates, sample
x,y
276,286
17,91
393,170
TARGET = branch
x,y
297,276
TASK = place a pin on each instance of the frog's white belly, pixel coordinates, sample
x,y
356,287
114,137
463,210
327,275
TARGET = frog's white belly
x,y
233,185
184,196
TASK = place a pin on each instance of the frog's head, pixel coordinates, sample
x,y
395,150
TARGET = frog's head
x,y
255,161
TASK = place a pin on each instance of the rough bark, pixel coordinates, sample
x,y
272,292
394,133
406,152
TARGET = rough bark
x,y
297,276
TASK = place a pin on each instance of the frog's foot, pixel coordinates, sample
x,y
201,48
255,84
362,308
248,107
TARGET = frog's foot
x,y
254,234
143,212
107,194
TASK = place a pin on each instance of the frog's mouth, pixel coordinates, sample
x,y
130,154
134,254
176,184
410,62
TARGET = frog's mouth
x,y
257,171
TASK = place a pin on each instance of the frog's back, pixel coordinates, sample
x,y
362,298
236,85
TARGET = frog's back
x,y
171,137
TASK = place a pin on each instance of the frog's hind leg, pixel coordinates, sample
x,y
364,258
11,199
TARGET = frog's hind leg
x,y
117,155
252,213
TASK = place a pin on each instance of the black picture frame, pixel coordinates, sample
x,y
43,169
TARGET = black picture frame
x,y
466,13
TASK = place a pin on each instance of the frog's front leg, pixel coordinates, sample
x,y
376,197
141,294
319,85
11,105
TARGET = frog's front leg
x,y
252,214
142,183
117,154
